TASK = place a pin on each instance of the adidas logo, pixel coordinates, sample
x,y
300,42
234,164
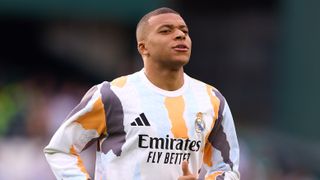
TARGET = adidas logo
x,y
141,121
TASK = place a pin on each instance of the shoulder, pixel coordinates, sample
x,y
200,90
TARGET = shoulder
x,y
119,81
124,80
118,85
210,91
209,87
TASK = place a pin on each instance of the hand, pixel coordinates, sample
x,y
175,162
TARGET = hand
x,y
187,175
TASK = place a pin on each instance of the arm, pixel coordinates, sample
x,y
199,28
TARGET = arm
x,y
83,125
221,154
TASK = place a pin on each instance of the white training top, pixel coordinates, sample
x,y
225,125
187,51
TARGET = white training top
x,y
144,132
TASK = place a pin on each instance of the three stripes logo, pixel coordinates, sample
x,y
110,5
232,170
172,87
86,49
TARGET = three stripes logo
x,y
141,121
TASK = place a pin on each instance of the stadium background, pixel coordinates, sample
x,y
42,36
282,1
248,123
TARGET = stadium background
x,y
263,56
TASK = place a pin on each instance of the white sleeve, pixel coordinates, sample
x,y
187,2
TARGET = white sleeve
x,y
84,124
224,148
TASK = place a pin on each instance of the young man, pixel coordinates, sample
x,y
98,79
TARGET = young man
x,y
157,123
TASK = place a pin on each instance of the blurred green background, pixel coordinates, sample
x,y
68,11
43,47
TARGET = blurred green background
x,y
262,55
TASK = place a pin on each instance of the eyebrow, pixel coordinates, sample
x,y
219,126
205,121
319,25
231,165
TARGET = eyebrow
x,y
171,26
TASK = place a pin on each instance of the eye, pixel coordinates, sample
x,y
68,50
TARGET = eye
x,y
185,31
165,31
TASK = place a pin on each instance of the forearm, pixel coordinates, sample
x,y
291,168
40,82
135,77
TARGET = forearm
x,y
66,165
63,153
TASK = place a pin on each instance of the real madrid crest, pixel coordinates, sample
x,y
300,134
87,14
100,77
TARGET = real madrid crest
x,y
200,125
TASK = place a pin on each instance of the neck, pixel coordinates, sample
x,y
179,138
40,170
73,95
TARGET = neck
x,y
165,78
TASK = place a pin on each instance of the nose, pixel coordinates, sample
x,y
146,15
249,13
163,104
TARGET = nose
x,y
180,35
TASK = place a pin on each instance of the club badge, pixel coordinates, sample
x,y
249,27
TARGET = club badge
x,y
200,125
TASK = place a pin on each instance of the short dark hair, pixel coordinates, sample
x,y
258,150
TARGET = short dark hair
x,y
145,18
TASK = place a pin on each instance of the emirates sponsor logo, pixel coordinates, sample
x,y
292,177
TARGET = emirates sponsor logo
x,y
168,150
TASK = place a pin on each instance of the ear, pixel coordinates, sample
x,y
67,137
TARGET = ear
x,y
142,48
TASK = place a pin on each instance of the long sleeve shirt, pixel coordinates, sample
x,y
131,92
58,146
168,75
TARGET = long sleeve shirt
x,y
143,132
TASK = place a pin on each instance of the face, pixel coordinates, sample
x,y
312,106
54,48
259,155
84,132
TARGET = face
x,y
167,41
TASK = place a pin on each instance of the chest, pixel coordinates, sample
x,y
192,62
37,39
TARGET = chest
x,y
177,117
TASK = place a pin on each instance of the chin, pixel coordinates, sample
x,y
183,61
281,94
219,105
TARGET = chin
x,y
182,60
177,63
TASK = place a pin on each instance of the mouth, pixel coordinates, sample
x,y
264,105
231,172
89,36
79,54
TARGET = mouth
x,y
181,48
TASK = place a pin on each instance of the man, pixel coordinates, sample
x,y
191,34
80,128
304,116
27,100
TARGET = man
x,y
157,123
